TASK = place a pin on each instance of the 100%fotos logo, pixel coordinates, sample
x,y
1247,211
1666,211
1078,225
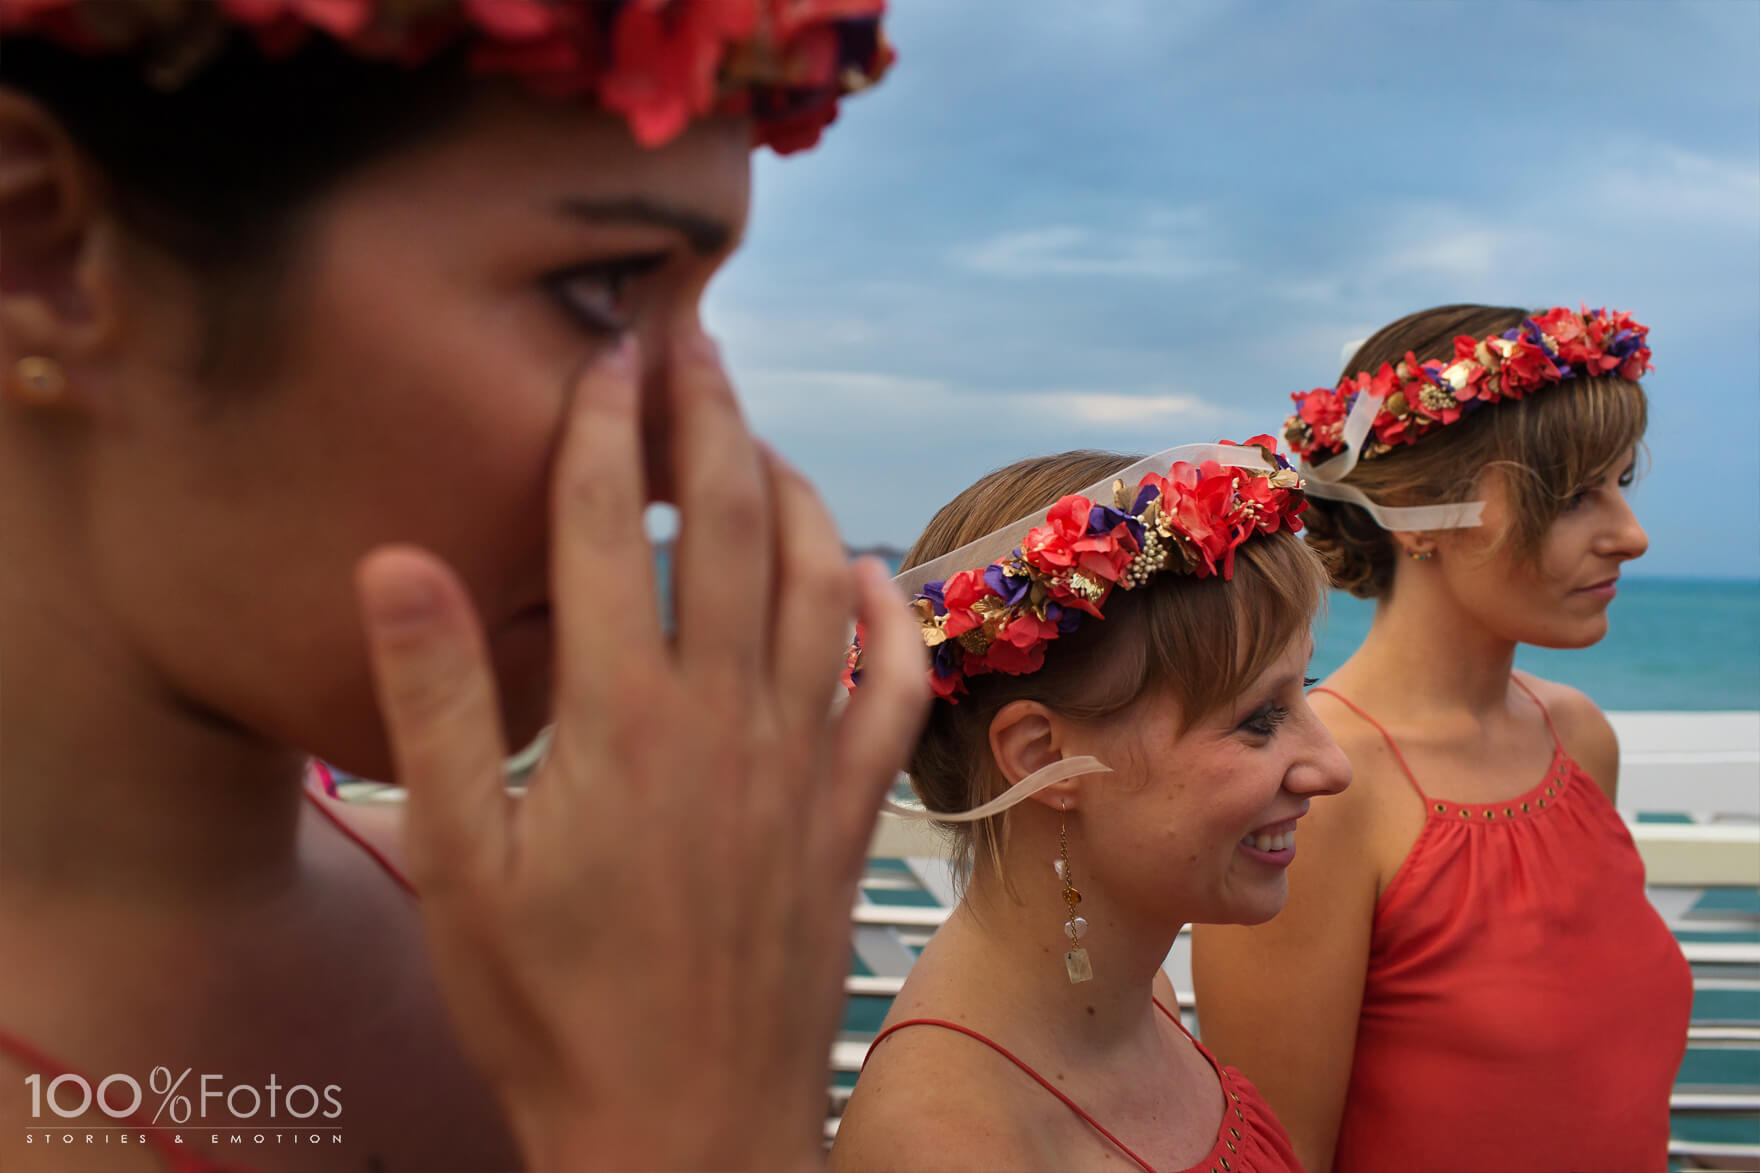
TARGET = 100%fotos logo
x,y
119,1097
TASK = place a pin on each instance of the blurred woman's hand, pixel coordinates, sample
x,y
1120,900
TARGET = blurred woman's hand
x,y
644,954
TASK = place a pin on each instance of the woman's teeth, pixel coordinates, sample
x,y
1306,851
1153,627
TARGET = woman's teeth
x,y
1270,842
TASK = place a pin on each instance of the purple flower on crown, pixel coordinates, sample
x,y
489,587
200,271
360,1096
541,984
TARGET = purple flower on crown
x,y
1012,589
936,593
1102,519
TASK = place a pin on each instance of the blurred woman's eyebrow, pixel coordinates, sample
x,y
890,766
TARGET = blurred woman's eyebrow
x,y
705,234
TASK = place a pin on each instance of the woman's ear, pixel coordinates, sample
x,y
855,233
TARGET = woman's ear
x,y
58,270
1026,736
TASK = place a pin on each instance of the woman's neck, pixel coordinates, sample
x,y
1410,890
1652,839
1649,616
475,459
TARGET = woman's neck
x,y
111,787
1021,946
1423,656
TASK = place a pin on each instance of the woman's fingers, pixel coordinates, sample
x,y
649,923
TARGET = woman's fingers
x,y
722,576
437,696
814,602
602,568
880,724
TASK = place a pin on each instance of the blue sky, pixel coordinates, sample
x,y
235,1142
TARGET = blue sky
x,y
1134,223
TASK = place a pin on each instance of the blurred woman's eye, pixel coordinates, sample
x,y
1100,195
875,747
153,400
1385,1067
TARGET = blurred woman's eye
x,y
1264,720
596,294
1582,494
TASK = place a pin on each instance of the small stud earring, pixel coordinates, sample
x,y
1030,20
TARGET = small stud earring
x,y
39,379
1420,555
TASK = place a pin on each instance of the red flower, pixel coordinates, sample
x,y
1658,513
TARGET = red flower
x,y
1024,629
796,132
852,659
1012,658
1569,336
512,20
666,56
1466,375
342,19
1324,410
1199,511
1525,368
947,687
1052,547
1395,429
1106,555
961,593
1259,503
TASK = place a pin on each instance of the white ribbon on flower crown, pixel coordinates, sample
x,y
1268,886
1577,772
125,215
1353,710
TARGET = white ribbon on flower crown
x,y
1326,480
1000,543
1040,779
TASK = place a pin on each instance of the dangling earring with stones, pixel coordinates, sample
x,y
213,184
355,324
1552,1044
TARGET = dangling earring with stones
x,y
1076,960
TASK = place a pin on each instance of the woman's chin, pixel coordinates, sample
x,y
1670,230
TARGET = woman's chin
x,y
1255,908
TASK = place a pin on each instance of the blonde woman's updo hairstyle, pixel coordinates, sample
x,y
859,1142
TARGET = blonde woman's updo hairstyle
x,y
1200,641
1546,446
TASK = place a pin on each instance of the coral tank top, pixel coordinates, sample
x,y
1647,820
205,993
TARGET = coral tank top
x,y
1250,1140
1525,1007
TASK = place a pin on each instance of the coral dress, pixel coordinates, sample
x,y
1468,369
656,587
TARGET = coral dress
x,y
1250,1139
1525,1006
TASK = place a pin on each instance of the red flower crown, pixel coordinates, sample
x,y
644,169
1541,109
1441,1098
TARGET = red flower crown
x,y
1001,618
1419,397
658,63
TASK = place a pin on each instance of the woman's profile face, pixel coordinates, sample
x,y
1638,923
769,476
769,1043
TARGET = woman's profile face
x,y
409,386
1557,596
1201,823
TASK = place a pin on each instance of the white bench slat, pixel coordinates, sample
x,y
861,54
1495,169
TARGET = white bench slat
x,y
1700,855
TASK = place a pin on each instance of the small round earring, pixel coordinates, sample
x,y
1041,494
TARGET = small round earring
x,y
1420,555
39,379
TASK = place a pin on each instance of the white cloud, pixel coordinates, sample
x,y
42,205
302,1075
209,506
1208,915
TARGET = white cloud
x,y
1171,246
1115,407
1677,185
781,396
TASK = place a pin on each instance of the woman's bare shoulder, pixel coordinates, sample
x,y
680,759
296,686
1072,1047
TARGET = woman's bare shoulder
x,y
1583,729
935,1099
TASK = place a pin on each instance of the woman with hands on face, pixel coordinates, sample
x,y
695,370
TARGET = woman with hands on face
x,y
394,330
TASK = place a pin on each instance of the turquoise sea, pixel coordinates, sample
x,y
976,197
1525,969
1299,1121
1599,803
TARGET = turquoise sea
x,y
1683,644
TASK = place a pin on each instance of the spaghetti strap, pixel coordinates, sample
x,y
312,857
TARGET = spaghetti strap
x,y
374,853
1012,1058
1379,728
1550,727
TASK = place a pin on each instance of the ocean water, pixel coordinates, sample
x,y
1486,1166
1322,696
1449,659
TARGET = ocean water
x,y
1672,644
1681,644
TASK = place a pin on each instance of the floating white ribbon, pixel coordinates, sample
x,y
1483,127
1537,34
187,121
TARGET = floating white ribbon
x,y
1044,776
1326,480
